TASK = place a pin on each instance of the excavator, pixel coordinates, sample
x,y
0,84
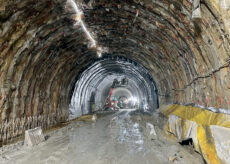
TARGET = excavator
x,y
114,103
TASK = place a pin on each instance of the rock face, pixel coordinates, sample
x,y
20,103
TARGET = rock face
x,y
42,53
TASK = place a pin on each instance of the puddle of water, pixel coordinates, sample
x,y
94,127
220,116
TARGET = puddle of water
x,y
129,132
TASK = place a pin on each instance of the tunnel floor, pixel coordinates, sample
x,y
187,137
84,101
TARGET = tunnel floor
x,y
119,137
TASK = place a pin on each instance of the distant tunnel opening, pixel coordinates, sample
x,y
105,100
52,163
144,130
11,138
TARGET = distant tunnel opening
x,y
127,82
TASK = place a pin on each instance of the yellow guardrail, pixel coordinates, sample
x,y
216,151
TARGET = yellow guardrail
x,y
204,127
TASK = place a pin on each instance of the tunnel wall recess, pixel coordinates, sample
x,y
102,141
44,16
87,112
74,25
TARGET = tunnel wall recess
x,y
43,49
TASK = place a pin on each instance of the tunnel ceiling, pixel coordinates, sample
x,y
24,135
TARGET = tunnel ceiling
x,y
42,50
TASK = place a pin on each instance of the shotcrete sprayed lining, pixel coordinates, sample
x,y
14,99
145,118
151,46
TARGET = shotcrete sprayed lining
x,y
42,52
103,72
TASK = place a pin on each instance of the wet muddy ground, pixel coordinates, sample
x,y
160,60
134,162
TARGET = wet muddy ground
x,y
115,138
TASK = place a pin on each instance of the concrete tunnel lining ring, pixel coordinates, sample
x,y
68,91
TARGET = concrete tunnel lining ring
x,y
95,81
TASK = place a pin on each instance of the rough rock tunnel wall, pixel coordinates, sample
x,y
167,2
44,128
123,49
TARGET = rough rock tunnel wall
x,y
42,51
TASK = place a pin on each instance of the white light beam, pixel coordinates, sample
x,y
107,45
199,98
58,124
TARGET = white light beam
x,y
79,20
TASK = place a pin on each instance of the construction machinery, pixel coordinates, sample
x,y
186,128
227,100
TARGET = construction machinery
x,y
116,101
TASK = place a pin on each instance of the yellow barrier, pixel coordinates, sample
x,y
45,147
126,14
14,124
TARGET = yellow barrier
x,y
201,125
207,144
199,115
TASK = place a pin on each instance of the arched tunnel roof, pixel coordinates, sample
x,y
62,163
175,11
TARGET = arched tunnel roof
x,y
42,50
94,84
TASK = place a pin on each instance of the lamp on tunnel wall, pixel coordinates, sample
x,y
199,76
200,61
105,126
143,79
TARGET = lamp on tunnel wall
x,y
99,52
134,100
196,12
225,4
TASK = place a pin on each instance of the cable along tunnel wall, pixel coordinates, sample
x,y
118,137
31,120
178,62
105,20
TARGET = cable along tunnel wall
x,y
94,84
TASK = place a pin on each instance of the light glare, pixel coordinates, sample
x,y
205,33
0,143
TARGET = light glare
x,y
79,20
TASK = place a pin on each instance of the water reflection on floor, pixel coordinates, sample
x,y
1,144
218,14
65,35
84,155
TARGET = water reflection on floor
x,y
113,139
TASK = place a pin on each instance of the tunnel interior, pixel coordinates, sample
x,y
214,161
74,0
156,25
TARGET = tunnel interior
x,y
94,84
59,57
